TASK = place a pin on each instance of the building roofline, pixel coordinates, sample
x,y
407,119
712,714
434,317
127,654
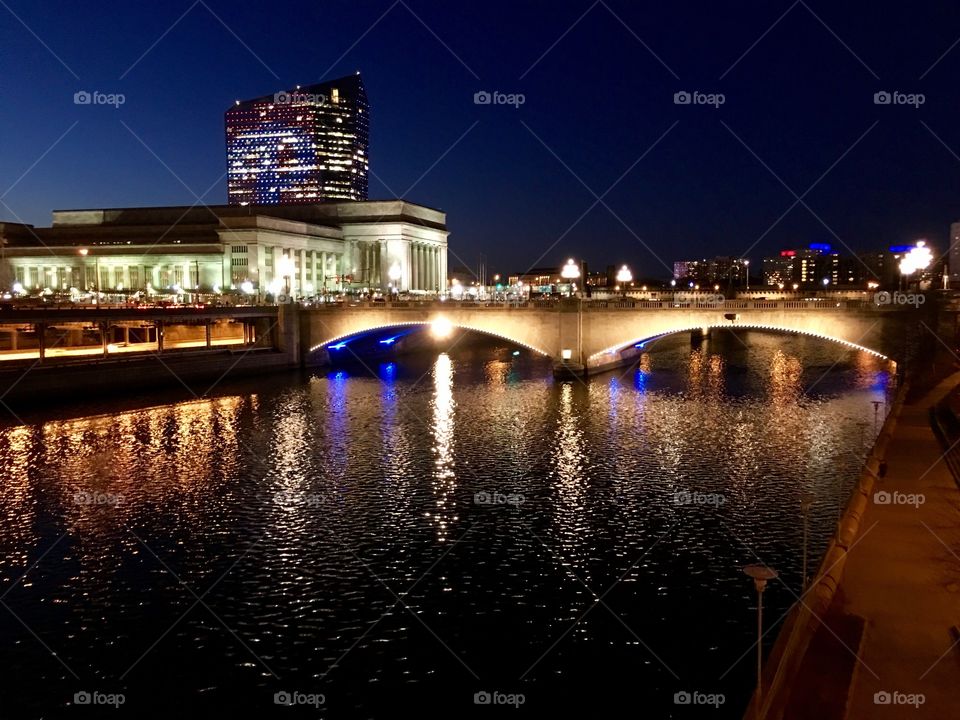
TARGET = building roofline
x,y
335,213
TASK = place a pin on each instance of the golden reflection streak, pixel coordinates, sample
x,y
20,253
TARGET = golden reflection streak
x,y
18,507
444,479
569,460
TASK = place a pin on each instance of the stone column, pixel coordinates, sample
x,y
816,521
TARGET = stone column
x,y
443,265
384,265
421,268
413,266
407,266
303,273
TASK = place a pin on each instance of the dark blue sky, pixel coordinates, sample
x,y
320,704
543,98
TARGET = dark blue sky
x,y
517,181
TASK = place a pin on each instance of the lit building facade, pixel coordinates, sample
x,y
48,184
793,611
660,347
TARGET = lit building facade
x,y
296,250
721,269
816,266
304,145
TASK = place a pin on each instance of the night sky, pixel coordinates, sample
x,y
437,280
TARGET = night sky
x,y
518,184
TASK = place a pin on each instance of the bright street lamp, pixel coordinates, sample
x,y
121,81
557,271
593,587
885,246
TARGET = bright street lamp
x,y
570,272
919,258
285,268
394,274
624,277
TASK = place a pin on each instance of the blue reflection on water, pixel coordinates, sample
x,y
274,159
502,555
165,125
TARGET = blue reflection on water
x,y
640,380
881,381
388,372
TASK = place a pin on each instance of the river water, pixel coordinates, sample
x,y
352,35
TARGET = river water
x,y
394,540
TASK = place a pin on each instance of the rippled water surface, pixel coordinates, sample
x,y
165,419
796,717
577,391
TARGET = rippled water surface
x,y
400,540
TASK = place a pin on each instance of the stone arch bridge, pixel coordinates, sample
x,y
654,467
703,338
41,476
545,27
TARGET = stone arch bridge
x,y
586,337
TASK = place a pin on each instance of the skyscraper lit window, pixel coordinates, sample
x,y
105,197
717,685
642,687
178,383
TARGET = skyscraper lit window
x,y
300,146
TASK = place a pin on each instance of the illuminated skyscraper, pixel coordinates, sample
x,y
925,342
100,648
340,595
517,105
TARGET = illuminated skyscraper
x,y
299,146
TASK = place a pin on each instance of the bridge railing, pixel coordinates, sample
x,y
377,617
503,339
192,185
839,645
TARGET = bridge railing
x,y
603,305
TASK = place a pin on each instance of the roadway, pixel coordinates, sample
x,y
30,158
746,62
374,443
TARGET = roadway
x,y
113,349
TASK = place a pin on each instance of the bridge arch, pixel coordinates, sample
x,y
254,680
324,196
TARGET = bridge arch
x,y
604,355
441,323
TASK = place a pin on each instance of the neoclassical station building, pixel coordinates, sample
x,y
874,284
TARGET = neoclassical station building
x,y
300,249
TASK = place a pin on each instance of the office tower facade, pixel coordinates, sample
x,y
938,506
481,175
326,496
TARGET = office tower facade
x,y
304,145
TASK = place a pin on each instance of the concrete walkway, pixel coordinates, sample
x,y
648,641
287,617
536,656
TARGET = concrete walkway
x,y
902,578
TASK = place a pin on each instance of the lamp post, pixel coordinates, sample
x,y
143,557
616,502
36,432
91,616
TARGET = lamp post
x,y
624,277
746,266
394,274
285,270
96,272
919,258
760,574
570,272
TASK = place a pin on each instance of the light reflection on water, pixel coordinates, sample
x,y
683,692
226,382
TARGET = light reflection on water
x,y
310,510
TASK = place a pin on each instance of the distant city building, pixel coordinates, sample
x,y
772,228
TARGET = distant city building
x,y
722,270
303,145
302,249
813,266
546,280
603,279
779,271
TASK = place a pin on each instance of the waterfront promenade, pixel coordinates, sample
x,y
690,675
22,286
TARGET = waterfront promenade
x,y
901,586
